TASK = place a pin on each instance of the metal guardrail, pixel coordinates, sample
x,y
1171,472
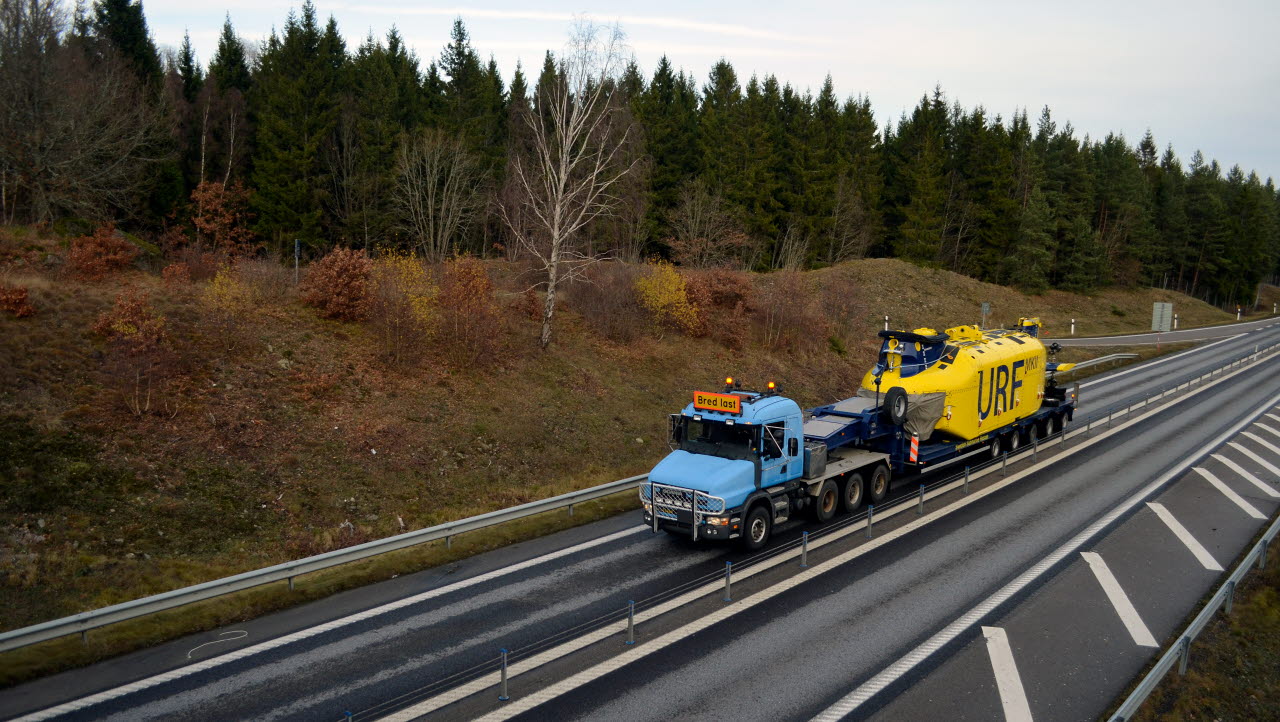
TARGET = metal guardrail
x,y
86,621
1181,649
1102,360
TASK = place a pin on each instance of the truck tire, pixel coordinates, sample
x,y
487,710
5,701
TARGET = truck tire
x,y
994,449
878,488
1033,433
756,528
851,492
895,406
1055,423
1015,441
826,502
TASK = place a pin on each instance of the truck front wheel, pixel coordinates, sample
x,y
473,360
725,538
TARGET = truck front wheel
x,y
756,530
827,501
851,495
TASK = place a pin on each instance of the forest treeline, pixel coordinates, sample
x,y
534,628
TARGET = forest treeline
x,y
304,138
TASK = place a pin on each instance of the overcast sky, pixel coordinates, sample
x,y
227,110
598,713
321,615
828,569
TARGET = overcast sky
x,y
1199,75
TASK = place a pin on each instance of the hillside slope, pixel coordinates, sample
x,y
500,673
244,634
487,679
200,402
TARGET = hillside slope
x,y
288,435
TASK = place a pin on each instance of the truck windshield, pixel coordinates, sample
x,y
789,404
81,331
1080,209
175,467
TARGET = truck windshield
x,y
716,438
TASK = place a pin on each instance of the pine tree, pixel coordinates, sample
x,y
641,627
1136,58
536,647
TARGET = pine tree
x,y
229,68
920,236
122,24
296,112
667,111
189,70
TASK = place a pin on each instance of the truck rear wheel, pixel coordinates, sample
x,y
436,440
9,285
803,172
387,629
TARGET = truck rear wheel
x,y
827,501
1033,433
1055,423
994,449
758,526
879,487
1015,440
851,494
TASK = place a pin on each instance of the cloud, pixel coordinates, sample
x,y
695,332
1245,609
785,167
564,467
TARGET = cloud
x,y
666,23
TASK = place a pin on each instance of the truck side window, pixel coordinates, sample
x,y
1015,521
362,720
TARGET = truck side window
x,y
774,435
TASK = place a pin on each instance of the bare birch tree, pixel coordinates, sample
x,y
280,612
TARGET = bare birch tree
x,y
437,190
578,129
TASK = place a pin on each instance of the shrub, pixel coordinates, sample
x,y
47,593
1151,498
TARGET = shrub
x,y
402,305
338,285
176,275
662,291
790,314
269,281
606,298
722,288
105,252
139,358
14,300
230,303
470,330
202,265
221,217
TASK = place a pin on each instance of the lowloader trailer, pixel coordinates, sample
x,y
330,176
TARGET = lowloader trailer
x,y
745,461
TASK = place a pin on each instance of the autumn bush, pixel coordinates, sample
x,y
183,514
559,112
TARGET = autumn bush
x,y
339,285
722,288
220,216
139,358
229,304
607,300
662,291
176,275
270,282
789,314
402,304
201,265
471,328
14,299
100,254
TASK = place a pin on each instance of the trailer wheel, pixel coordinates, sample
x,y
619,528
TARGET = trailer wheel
x,y
1015,441
1055,423
879,484
994,449
758,526
895,405
851,494
827,501
1033,433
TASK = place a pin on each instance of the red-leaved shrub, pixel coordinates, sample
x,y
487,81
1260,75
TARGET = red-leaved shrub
x,y
139,358
338,285
470,330
96,256
606,298
14,300
176,275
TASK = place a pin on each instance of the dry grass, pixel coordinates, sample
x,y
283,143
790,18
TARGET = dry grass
x,y
301,438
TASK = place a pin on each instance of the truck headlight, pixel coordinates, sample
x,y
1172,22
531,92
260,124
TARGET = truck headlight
x,y
648,507
718,520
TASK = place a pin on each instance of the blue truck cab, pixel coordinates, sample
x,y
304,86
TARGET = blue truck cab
x,y
740,464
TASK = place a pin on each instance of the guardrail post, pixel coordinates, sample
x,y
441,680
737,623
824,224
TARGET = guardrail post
x,y
571,510
1004,464
291,584
1184,654
1063,433
631,622
1231,594
1109,413
966,480
920,505
502,692
728,581
1035,448
871,511
1262,555
84,636
448,542
804,549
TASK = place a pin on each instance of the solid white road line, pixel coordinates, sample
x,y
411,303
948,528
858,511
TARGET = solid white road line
x,y
1263,462
1268,429
1157,362
1206,559
1235,498
1124,608
1270,446
1013,698
1264,486
239,654
855,699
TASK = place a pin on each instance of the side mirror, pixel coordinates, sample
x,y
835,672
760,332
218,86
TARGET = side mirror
x,y
675,430
793,446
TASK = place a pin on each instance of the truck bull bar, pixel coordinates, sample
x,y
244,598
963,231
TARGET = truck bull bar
x,y
673,502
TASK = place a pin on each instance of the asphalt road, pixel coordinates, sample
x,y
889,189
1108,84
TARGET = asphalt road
x,y
792,643
1180,336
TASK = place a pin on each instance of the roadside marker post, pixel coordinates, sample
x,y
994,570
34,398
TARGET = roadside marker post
x,y
920,506
631,622
966,480
871,512
728,581
502,694
804,550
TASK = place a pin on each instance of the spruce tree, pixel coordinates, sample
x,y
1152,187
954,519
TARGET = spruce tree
x,y
229,68
122,24
189,70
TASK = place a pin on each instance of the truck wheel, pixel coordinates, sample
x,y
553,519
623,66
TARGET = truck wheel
x,y
827,501
1055,423
758,526
1033,433
895,405
851,495
1015,440
994,449
879,484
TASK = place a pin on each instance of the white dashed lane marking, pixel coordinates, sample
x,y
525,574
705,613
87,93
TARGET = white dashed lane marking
x,y
1262,485
1013,698
1201,554
1235,498
1124,608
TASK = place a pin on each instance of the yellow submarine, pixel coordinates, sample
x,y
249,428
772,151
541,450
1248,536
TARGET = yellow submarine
x,y
988,378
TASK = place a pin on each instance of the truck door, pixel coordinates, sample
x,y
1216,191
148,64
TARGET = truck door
x,y
777,453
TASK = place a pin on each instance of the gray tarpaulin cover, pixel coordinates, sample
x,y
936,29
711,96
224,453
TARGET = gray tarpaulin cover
x,y
924,411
